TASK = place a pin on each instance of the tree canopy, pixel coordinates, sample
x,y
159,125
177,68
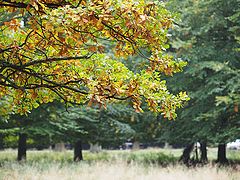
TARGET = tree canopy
x,y
208,38
56,49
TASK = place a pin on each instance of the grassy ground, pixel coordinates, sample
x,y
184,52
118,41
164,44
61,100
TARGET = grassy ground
x,y
66,156
114,171
142,164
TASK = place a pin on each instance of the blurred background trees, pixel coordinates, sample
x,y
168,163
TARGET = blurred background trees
x,y
208,38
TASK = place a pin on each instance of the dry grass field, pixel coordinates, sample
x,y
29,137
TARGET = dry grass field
x,y
115,171
108,165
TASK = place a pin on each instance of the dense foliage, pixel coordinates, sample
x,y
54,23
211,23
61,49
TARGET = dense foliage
x,y
56,49
208,38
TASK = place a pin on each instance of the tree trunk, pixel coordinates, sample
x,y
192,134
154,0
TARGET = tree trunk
x,y
136,145
196,152
22,147
185,158
1,142
78,151
203,150
95,148
222,158
60,147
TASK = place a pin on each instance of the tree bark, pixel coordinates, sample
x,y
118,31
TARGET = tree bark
x,y
60,147
22,147
196,152
95,148
222,158
185,158
203,150
78,151
136,145
1,142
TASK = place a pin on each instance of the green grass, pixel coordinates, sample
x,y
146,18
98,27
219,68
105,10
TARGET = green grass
x,y
158,156
141,156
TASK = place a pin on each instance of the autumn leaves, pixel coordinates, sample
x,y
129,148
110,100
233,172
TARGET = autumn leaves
x,y
70,50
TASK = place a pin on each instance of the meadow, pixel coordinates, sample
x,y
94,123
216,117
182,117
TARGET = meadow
x,y
117,165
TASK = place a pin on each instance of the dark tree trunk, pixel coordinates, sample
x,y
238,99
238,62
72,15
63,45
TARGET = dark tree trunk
x,y
78,151
222,158
196,152
185,158
1,142
203,150
22,147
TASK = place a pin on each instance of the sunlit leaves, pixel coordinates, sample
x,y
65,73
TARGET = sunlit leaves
x,y
57,49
